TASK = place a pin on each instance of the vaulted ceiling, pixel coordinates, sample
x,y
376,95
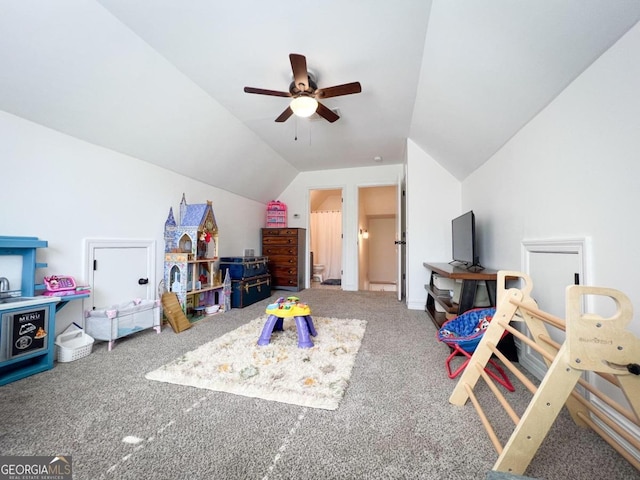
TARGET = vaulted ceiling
x,y
162,80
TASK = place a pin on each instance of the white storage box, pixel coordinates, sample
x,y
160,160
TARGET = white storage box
x,y
443,283
118,321
73,345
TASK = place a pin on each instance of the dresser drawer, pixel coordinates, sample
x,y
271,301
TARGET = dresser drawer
x,y
282,261
279,232
279,240
272,250
284,277
284,271
288,284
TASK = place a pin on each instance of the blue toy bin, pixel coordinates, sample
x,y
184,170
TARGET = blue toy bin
x,y
466,330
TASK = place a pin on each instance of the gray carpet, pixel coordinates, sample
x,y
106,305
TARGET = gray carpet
x,y
395,421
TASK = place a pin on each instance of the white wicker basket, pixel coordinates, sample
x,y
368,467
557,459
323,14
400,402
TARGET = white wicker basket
x,y
73,345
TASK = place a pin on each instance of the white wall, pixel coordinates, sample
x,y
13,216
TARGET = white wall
x,y
63,190
332,202
378,201
296,196
433,199
572,172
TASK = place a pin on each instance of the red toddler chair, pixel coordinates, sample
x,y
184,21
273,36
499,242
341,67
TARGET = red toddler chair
x,y
463,334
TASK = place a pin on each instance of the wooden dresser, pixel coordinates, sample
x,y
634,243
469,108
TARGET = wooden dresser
x,y
285,248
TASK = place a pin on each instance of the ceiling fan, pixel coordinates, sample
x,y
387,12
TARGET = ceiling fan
x,y
306,93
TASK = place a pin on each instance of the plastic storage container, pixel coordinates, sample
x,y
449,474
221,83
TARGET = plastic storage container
x,y
73,345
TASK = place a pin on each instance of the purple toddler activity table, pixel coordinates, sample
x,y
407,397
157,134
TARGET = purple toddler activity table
x,y
291,307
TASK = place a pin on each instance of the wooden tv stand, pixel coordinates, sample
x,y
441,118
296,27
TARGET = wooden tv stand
x,y
470,281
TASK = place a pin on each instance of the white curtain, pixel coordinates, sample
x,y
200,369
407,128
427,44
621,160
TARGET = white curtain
x,y
326,242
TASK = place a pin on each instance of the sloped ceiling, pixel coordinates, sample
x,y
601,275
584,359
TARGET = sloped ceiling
x,y
162,80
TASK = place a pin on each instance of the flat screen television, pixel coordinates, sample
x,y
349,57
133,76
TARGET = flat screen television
x,y
463,241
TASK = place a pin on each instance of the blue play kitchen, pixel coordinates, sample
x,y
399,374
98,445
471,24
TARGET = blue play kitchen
x,y
27,320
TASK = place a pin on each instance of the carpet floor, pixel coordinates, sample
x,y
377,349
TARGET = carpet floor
x,y
394,422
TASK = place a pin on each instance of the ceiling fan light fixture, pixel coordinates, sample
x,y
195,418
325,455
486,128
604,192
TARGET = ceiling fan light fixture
x,y
304,106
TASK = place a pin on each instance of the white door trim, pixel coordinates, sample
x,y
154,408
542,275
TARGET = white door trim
x,y
579,246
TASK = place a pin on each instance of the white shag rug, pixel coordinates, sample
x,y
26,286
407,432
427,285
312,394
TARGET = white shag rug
x,y
314,377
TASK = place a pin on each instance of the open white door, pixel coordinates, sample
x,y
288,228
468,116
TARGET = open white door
x,y
400,240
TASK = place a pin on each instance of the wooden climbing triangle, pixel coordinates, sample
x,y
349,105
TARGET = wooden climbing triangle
x,y
592,344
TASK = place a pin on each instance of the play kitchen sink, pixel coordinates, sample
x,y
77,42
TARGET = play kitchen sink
x,y
14,299
7,296
34,300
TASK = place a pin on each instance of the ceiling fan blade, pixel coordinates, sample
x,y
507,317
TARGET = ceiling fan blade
x,y
346,89
327,113
285,115
300,74
262,91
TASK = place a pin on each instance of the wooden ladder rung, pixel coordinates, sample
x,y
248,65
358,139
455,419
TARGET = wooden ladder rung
x,y
485,421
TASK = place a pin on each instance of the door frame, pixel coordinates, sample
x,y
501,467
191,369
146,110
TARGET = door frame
x,y
93,244
401,228
400,287
341,189
574,246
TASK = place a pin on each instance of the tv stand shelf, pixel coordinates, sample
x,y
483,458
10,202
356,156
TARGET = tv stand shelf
x,y
470,280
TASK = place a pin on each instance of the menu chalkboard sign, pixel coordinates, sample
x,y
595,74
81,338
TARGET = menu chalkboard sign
x,y
28,332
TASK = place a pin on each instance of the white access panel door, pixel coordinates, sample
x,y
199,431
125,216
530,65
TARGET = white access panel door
x,y
552,265
120,272
551,273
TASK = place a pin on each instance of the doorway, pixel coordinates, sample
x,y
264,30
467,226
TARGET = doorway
x,y
377,236
325,238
